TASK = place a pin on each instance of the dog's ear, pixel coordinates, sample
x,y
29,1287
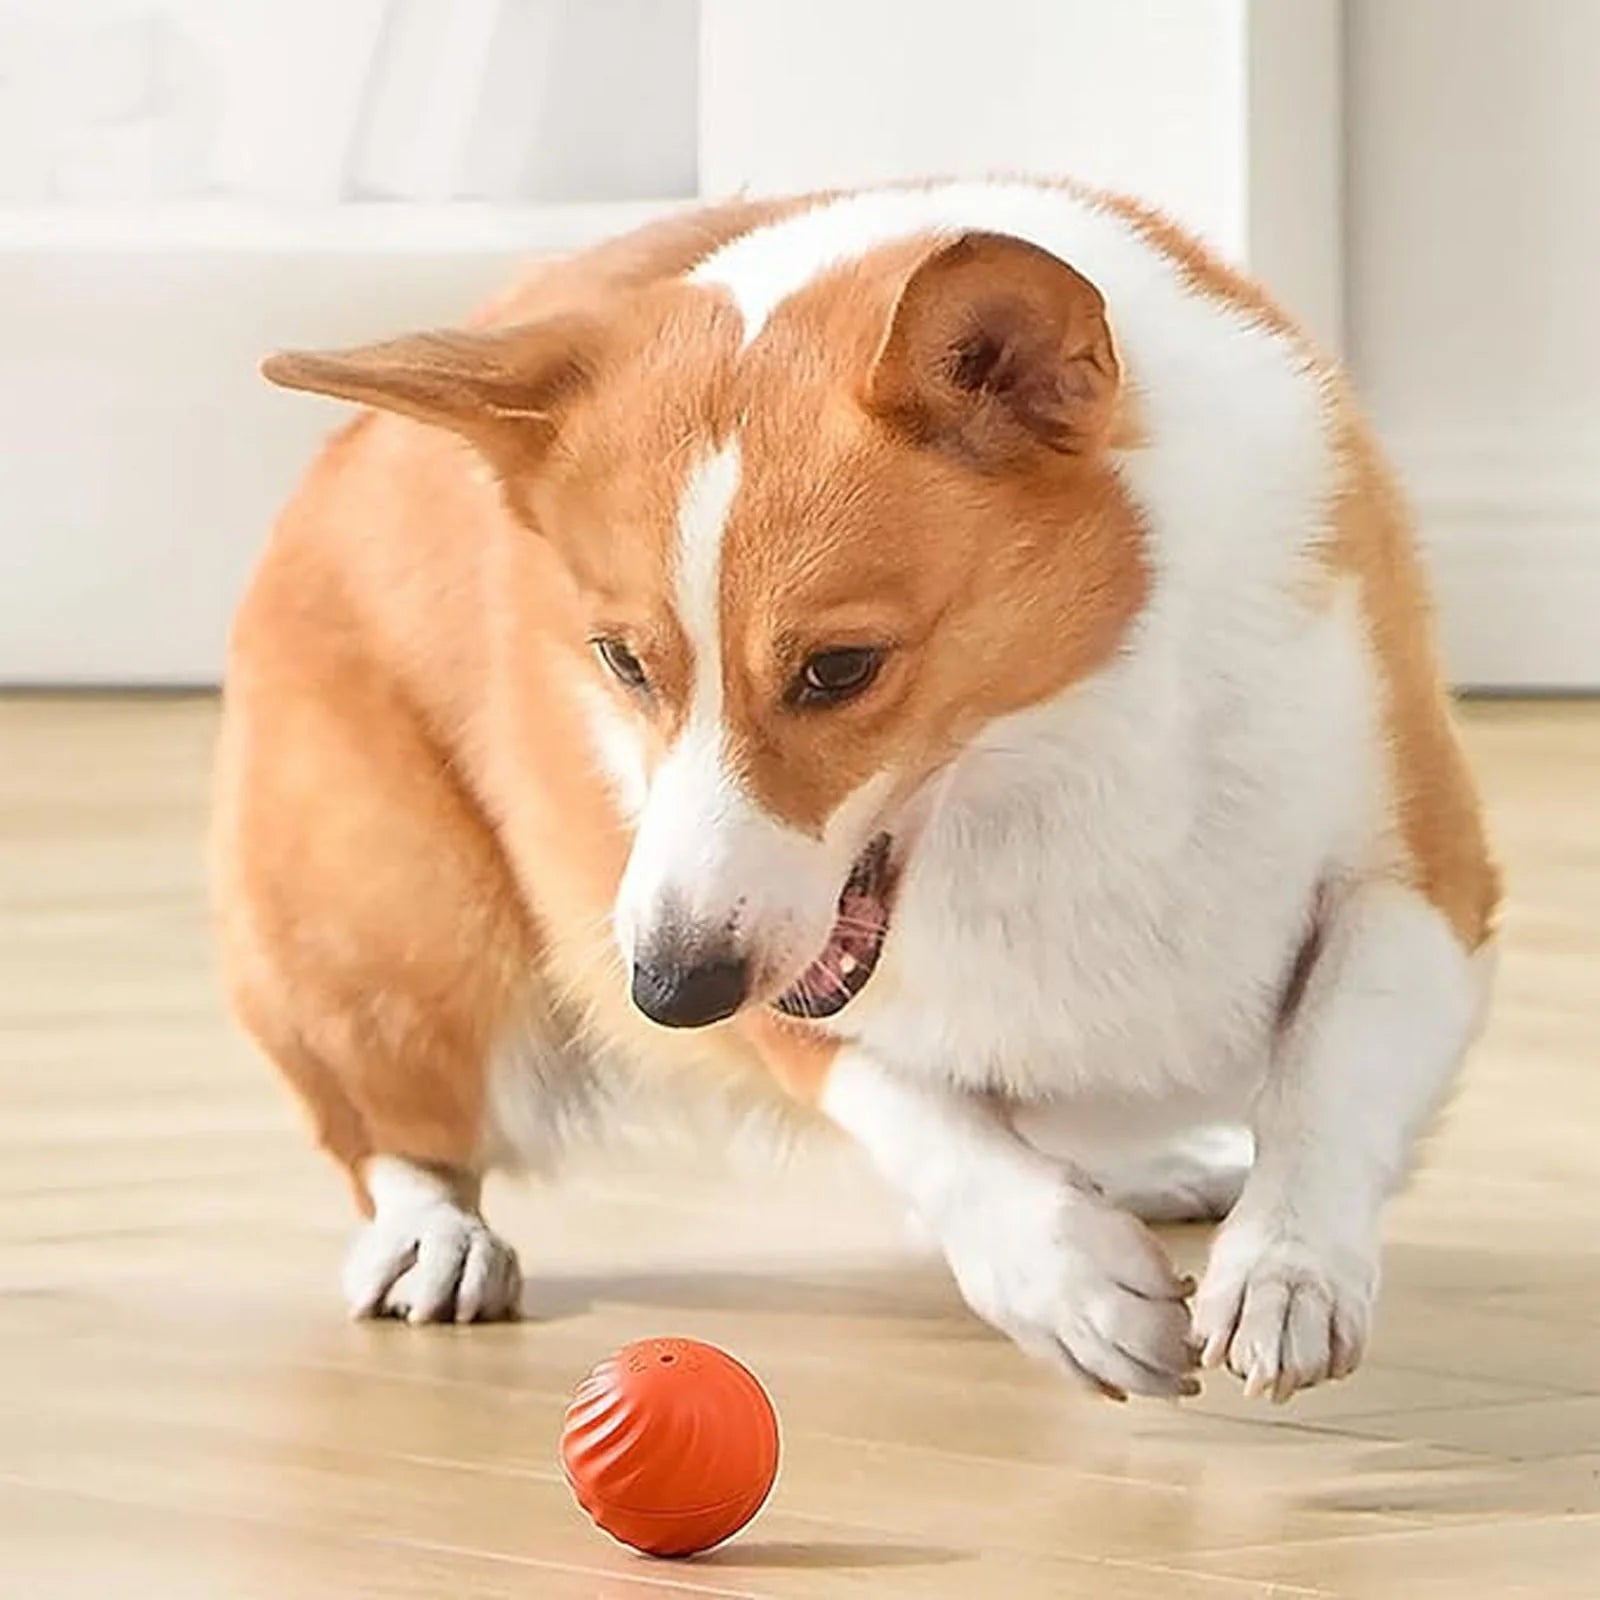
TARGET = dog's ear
x,y
995,347
503,388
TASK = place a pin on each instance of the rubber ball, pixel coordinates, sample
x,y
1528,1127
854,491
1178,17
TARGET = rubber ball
x,y
670,1445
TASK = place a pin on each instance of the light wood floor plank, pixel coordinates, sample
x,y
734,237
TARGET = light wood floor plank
x,y
184,1412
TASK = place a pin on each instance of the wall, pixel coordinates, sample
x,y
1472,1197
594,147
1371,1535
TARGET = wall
x,y
313,101
186,185
144,457
1223,112
1473,313
1144,95
192,183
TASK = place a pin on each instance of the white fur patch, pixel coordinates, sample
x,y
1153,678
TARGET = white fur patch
x,y
1035,1252
427,1255
702,519
1192,1176
692,799
1390,1005
1108,890
702,523
761,269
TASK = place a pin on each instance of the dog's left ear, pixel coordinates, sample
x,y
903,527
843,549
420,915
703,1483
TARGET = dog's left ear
x,y
503,388
995,347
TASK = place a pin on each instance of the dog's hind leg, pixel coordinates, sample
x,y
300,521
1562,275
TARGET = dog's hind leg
x,y
1195,1178
376,947
1189,1172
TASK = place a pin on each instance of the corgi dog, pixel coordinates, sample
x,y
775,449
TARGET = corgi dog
x,y
953,652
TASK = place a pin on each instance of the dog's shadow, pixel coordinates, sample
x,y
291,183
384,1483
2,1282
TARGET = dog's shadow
x,y
898,1292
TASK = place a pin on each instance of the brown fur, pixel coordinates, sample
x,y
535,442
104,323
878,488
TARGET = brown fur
x,y
858,540
1445,848
406,825
410,824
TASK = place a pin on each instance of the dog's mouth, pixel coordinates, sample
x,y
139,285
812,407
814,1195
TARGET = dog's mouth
x,y
851,954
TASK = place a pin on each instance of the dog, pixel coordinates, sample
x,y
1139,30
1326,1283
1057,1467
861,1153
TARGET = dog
x,y
955,652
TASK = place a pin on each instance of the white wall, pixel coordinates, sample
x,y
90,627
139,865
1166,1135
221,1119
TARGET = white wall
x,y
308,101
144,459
1143,95
1473,271
186,185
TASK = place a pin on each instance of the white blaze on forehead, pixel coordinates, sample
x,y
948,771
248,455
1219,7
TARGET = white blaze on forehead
x,y
693,807
702,521
707,853
702,516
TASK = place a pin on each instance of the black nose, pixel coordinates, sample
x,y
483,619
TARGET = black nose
x,y
689,994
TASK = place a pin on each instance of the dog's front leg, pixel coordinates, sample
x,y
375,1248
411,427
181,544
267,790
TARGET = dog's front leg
x,y
1036,1250
427,1254
1390,1003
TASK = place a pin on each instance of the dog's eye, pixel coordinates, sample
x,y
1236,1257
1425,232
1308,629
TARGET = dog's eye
x,y
831,676
624,664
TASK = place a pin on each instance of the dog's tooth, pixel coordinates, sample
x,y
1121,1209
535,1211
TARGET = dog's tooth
x,y
847,964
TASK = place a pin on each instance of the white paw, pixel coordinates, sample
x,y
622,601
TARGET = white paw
x,y
1080,1284
431,1262
1281,1312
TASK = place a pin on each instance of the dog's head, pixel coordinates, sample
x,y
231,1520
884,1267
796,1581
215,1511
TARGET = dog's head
x,y
820,543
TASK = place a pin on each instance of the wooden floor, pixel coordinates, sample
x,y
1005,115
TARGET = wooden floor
x,y
186,1413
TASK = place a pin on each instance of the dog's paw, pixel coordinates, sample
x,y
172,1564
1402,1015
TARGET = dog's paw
x,y
1281,1312
432,1262
1080,1284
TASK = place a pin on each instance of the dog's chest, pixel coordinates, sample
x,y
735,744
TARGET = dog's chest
x,y
1115,911
1058,989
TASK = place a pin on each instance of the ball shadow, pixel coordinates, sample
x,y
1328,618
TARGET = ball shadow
x,y
799,1555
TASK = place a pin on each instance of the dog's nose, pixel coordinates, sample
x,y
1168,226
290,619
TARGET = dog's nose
x,y
690,993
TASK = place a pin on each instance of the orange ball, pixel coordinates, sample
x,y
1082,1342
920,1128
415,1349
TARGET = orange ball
x,y
670,1445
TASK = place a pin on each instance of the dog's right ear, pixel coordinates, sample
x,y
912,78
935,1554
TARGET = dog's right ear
x,y
996,346
502,388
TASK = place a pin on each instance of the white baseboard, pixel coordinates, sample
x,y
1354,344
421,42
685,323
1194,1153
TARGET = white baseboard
x,y
1511,526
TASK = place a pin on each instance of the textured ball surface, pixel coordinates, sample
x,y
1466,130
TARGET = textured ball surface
x,y
670,1445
